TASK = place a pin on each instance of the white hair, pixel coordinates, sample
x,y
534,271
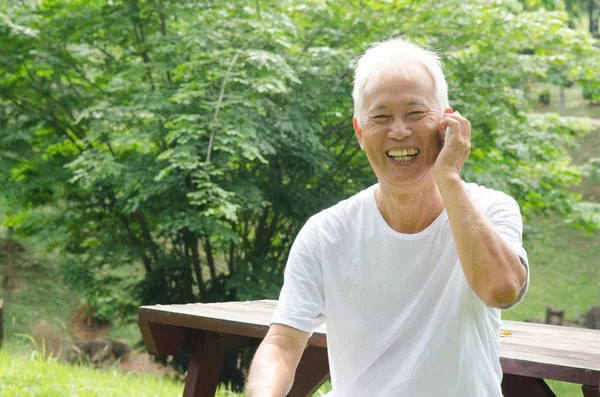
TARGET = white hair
x,y
393,53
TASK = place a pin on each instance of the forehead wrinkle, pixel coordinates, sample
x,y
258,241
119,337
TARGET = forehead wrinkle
x,y
417,103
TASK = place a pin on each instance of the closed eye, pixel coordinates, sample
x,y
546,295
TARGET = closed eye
x,y
381,116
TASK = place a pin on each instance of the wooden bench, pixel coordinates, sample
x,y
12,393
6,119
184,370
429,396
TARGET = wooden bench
x,y
529,352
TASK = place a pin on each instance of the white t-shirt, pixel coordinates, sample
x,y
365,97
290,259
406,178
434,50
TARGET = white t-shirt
x,y
401,318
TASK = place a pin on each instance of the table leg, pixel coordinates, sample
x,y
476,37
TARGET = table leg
x,y
590,391
205,366
312,372
524,386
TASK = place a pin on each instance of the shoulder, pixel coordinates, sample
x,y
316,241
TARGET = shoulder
x,y
332,225
345,211
487,198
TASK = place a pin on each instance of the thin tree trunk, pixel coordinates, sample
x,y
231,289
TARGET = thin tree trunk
x,y
230,262
591,7
192,241
1,321
146,235
259,232
188,280
8,274
163,30
561,101
137,244
210,260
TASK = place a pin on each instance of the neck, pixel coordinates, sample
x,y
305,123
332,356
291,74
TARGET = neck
x,y
410,212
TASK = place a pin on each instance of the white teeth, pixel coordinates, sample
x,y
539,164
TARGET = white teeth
x,y
402,158
402,152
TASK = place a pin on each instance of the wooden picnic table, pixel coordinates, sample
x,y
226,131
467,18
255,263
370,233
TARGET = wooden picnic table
x,y
529,353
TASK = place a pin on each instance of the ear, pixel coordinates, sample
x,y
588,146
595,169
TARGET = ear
x,y
358,133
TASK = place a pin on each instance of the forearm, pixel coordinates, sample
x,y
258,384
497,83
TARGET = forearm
x,y
272,371
492,268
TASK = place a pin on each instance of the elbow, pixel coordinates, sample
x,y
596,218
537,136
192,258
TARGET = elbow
x,y
505,293
505,290
502,295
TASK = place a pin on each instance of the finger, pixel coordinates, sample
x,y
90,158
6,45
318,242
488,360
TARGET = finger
x,y
448,121
455,116
448,128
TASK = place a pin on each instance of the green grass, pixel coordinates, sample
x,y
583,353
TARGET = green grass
x,y
33,376
37,294
564,272
575,105
36,377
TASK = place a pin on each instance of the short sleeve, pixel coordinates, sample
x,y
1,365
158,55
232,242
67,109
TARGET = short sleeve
x,y
505,217
301,301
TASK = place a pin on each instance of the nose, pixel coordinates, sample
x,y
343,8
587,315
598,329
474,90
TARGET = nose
x,y
399,130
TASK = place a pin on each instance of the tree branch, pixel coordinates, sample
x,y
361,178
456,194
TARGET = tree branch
x,y
212,134
140,37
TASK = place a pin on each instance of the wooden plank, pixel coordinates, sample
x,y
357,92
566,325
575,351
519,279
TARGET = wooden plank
x,y
537,350
522,386
590,391
565,337
205,366
550,356
552,372
546,329
1,321
164,339
233,318
254,318
312,372
589,345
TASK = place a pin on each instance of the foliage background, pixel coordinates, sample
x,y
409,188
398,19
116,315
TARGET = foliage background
x,y
171,150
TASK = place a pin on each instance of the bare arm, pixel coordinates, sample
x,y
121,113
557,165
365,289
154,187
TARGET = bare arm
x,y
274,365
493,269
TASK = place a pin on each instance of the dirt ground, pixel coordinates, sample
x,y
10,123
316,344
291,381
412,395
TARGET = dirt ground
x,y
58,338
85,326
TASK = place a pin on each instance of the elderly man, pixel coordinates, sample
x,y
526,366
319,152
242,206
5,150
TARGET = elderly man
x,y
411,273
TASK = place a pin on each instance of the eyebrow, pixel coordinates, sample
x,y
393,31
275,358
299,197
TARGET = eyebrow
x,y
411,103
378,107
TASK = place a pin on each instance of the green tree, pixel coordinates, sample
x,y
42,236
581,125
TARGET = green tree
x,y
195,138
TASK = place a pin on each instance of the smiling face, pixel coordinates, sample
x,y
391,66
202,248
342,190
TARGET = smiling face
x,y
399,127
